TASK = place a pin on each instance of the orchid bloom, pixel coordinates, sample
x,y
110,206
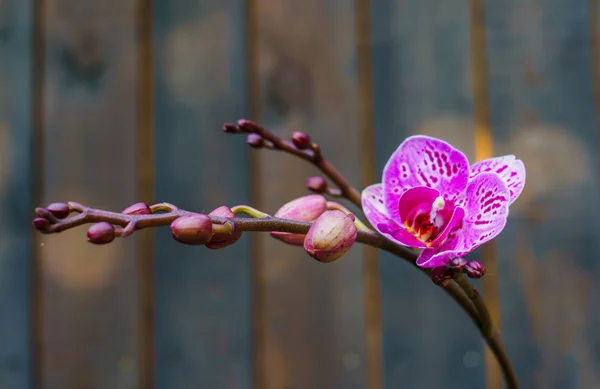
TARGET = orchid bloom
x,y
431,199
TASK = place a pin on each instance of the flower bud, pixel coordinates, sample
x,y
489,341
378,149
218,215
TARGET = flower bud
x,y
220,240
41,223
441,275
303,209
458,263
137,209
60,210
193,229
475,269
316,184
230,128
330,236
301,140
101,233
255,140
247,125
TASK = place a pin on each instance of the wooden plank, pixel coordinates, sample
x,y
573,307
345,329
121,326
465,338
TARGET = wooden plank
x,y
203,325
89,293
314,312
543,110
16,192
422,81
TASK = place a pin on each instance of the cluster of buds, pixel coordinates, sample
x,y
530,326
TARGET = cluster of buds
x,y
188,228
332,232
442,275
330,236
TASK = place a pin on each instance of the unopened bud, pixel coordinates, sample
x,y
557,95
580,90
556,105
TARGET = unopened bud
x,y
193,229
230,128
41,223
316,184
60,210
475,269
301,140
458,263
330,236
247,125
303,209
220,240
255,140
137,209
441,275
101,233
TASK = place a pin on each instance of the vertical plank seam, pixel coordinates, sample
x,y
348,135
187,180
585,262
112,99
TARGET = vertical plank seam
x,y
372,294
37,180
146,183
253,109
595,43
483,150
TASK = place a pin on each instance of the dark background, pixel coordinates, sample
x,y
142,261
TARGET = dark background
x,y
115,101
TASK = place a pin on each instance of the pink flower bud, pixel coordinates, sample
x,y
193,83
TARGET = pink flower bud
x,y
193,229
301,140
458,263
475,269
137,209
41,223
220,240
247,125
316,184
101,233
330,236
230,128
60,210
255,140
303,209
441,275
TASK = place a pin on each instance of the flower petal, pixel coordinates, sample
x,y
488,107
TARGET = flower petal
x,y
486,209
376,213
416,201
373,205
424,161
455,220
510,170
432,258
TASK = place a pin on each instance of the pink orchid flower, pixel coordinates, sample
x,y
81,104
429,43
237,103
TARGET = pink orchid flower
x,y
431,199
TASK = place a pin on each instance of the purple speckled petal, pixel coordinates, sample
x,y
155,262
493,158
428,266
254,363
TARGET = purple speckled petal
x,y
376,213
424,161
432,258
510,170
416,201
373,205
486,201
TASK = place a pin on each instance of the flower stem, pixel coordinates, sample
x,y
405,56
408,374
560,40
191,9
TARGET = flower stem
x,y
312,155
459,289
487,330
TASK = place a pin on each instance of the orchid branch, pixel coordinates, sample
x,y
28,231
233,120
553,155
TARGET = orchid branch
x,y
301,146
57,218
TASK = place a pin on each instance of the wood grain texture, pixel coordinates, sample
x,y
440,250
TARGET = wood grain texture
x,y
16,193
423,85
314,312
89,293
543,110
203,326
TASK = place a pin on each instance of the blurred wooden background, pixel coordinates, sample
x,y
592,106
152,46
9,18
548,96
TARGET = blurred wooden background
x,y
114,101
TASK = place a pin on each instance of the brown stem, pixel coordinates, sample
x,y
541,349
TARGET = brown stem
x,y
312,155
459,289
487,330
